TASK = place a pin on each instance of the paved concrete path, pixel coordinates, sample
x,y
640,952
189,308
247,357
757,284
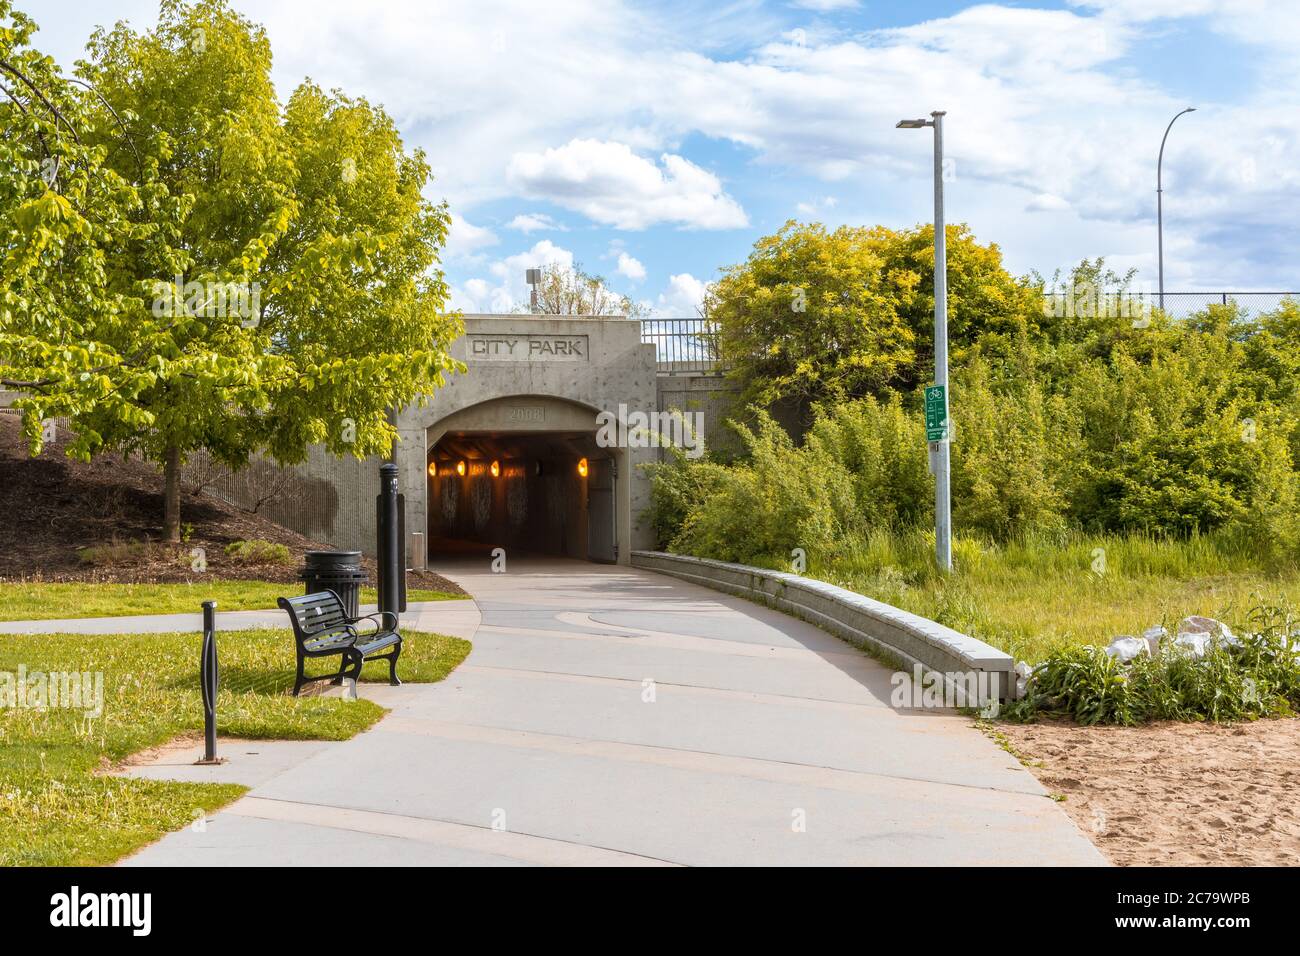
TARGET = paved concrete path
x,y
615,716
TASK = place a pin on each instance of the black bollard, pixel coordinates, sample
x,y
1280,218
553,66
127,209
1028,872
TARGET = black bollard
x,y
390,534
208,680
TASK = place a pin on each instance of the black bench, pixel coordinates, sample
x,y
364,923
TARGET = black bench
x,y
323,628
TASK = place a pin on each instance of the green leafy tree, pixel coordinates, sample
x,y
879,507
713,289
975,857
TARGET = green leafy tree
x,y
61,207
814,315
279,287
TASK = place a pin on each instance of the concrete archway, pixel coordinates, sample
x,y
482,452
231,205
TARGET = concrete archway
x,y
533,387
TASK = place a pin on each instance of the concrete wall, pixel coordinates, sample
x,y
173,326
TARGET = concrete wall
x,y
707,393
896,633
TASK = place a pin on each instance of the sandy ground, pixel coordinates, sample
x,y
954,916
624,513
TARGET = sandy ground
x,y
1174,794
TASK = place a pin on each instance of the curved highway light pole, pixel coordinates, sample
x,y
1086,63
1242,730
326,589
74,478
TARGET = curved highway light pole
x,y
1160,210
939,449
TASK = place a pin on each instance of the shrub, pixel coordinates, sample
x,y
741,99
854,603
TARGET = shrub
x,y
257,551
881,447
781,498
117,553
1010,455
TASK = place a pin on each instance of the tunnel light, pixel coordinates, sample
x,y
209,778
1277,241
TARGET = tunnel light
x,y
460,468
582,467
496,469
433,469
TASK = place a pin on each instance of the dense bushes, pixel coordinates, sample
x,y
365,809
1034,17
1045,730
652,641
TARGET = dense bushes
x,y
1173,429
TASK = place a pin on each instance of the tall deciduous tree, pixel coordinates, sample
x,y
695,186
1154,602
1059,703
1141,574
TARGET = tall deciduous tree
x,y
816,314
60,208
279,285
568,290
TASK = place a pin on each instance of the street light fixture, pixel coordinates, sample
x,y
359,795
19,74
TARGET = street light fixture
x,y
1160,210
937,411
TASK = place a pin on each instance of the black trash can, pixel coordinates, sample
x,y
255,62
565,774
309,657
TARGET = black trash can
x,y
337,571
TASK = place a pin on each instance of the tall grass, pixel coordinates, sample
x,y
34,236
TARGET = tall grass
x,y
1037,593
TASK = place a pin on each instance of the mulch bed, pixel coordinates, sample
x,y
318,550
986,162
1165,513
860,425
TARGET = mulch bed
x,y
53,506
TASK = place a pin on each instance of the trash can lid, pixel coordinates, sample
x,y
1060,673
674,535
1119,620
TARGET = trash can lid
x,y
333,559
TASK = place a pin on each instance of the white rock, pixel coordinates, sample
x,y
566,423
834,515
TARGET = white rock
x,y
1217,630
1126,648
1153,636
1023,672
1194,643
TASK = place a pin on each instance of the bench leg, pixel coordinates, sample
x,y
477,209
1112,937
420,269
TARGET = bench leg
x,y
392,665
299,680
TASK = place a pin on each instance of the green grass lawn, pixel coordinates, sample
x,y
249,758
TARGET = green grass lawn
x,y
1032,596
56,806
38,600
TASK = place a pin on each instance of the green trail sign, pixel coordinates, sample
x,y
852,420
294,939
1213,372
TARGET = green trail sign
x,y
936,413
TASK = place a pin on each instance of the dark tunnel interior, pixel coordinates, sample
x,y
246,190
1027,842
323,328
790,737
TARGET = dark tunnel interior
x,y
536,492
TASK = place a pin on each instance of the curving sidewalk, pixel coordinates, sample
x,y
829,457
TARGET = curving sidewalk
x,y
615,716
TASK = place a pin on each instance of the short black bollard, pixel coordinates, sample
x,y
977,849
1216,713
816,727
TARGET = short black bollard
x,y
390,544
208,680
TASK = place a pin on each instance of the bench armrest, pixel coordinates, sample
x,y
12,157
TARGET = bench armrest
x,y
381,616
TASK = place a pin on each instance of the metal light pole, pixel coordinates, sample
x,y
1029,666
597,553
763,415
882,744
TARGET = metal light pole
x,y
939,437
1160,210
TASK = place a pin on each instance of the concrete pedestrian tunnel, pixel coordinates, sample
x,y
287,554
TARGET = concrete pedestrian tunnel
x,y
532,395
543,492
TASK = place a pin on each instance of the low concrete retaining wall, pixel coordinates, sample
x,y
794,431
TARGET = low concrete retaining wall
x,y
910,638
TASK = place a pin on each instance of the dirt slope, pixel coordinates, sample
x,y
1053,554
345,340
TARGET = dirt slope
x,y
51,506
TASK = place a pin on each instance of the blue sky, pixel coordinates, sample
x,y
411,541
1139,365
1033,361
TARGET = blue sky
x,y
653,143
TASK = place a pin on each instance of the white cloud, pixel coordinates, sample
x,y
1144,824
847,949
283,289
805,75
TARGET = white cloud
x,y
682,298
508,286
610,184
630,267
534,222
817,206
465,240
1046,202
1059,103
823,6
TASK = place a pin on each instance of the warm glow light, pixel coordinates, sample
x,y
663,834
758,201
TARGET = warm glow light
x,y
582,467
433,469
460,468
496,469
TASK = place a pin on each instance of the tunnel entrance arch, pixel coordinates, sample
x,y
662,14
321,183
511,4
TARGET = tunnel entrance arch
x,y
524,473
532,387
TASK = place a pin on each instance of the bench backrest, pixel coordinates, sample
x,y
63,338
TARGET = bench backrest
x,y
316,615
